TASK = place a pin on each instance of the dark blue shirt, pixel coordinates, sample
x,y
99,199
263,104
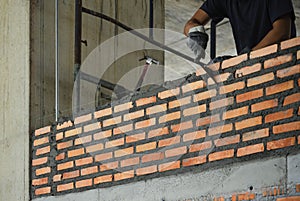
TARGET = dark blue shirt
x,y
250,20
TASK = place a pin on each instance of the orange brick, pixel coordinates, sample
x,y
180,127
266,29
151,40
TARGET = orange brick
x,y
114,143
124,152
194,161
220,129
156,109
234,61
112,121
60,156
292,99
92,127
283,128
207,120
123,107
169,117
298,55
200,147
194,110
221,103
249,96
278,61
76,152
247,70
43,150
84,183
64,145
278,144
279,115
213,67
103,113
180,102
158,132
134,115
64,125
232,87
169,141
152,157
298,188
204,95
256,134
123,129
70,175
41,141
293,198
73,132
39,161
219,78
248,123
193,86
42,131
194,135
280,88
57,178
109,166
145,123
288,71
103,157
42,171
79,120
264,105
246,196
59,136
221,155
168,93
84,161
169,166
65,165
42,191
182,126
227,140
124,175
38,182
146,147
235,113
145,101
146,170
135,138
65,187
264,51
83,140
252,149
260,79
103,135
290,43
176,152
103,179
89,170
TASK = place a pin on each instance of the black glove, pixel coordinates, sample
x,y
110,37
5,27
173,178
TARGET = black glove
x,y
245,50
197,42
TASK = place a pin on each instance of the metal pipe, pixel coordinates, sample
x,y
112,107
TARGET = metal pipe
x,y
151,20
213,26
56,63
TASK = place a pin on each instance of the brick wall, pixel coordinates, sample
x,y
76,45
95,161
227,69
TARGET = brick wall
x,y
252,112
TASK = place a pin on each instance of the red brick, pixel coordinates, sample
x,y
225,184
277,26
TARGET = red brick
x,y
145,101
247,70
146,147
84,183
66,165
168,93
288,71
64,145
235,113
60,156
110,122
176,152
264,51
38,182
43,150
204,95
280,88
73,132
194,110
42,191
278,61
180,102
169,166
169,117
248,123
134,115
39,161
193,86
227,141
124,175
279,115
264,105
109,166
252,149
146,170
234,61
182,126
158,132
92,127
249,96
103,157
41,141
65,187
89,170
220,129
103,179
169,141
103,135
70,175
103,113
42,131
59,136
221,155
135,138
42,171
260,79
76,152
194,161
293,198
123,107
278,144
84,161
232,87
82,119
57,178
253,135
283,128
114,143
83,140
194,135
152,157
292,99
124,152
156,109
200,147
207,120
221,103
123,129
290,43
145,123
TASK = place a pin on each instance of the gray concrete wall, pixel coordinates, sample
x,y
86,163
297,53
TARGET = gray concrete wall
x,y
14,101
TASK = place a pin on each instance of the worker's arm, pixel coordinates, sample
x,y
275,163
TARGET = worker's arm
x,y
281,31
199,18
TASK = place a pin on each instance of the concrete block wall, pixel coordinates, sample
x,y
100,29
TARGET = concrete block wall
x,y
251,113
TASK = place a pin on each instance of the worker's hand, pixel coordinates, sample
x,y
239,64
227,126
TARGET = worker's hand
x,y
197,42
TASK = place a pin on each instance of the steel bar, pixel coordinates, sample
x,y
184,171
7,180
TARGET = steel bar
x,y
56,63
